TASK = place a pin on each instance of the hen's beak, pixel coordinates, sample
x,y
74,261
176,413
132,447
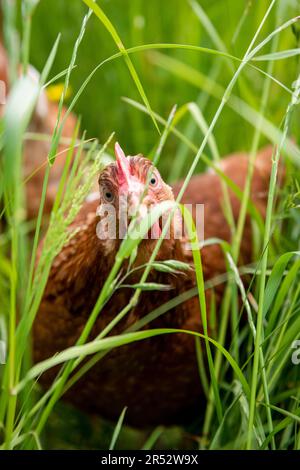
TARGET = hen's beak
x,y
132,192
140,209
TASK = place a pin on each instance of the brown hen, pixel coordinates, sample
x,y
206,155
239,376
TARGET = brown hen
x,y
157,379
36,151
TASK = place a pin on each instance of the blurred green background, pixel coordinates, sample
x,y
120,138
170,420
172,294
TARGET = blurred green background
x,y
169,21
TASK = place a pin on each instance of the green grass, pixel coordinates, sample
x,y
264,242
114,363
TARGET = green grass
x,y
234,76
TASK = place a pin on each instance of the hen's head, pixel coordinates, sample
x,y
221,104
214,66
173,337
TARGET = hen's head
x,y
131,187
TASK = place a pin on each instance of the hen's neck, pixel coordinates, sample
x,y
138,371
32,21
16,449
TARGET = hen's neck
x,y
85,263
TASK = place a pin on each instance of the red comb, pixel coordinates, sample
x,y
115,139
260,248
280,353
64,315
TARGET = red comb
x,y
122,165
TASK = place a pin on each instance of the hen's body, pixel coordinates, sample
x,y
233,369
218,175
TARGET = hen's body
x,y
157,379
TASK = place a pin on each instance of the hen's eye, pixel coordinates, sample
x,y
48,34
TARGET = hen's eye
x,y
153,181
108,195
